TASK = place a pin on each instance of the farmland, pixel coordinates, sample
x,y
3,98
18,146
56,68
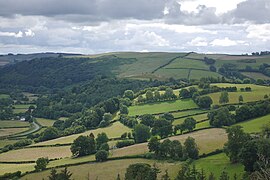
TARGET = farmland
x,y
255,125
105,170
2,96
11,123
198,118
11,131
113,131
161,107
255,75
45,122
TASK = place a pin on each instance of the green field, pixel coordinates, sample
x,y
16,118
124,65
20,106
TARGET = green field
x,y
161,107
198,118
257,93
198,74
218,163
175,73
11,123
255,125
113,131
255,75
45,122
110,169
32,154
187,113
4,142
204,124
11,131
2,96
9,168
187,64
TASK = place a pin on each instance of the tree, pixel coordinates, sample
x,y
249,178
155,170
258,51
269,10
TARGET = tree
x,y
248,155
104,146
189,123
140,171
64,174
101,155
157,95
224,97
168,117
184,93
53,174
221,117
123,109
205,101
166,175
176,150
169,93
148,119
129,94
224,176
140,98
83,145
236,140
49,133
101,139
190,148
240,99
41,164
149,95
153,144
162,128
141,133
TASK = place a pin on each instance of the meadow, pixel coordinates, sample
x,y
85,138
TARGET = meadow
x,y
257,93
255,125
105,171
255,75
2,96
11,131
161,107
45,122
113,131
187,64
198,118
218,163
175,73
5,168
11,123
187,113
198,74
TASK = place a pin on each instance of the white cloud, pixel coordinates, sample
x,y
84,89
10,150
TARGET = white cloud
x,y
198,41
259,32
29,33
223,42
12,34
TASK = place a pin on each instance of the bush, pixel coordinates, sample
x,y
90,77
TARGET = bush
x,y
101,155
124,143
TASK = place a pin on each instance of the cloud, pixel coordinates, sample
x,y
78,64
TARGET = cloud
x,y
259,32
227,42
12,34
198,41
29,33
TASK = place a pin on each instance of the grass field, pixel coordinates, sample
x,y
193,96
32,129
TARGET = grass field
x,y
31,154
105,171
45,122
175,73
255,125
8,168
198,74
218,163
187,113
207,140
201,125
257,93
255,75
187,63
4,142
2,96
161,107
201,56
198,118
11,131
10,123
113,131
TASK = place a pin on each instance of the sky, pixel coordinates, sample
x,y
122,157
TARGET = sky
x,y
99,26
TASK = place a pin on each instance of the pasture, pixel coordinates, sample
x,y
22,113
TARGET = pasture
x,y
45,122
187,113
175,73
161,107
4,142
255,75
3,96
218,163
105,171
257,93
11,131
183,63
207,140
198,118
11,123
255,125
113,131
32,154
9,168
204,124
198,74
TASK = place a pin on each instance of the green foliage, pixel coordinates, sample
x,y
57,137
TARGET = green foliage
x,y
49,133
124,143
141,133
101,139
129,94
162,127
141,171
63,175
101,155
220,117
189,123
123,109
204,101
41,164
83,146
191,149
224,97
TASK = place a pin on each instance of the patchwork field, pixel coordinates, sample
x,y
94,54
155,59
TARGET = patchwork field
x,y
45,122
32,154
198,74
175,73
105,170
255,75
5,168
207,140
113,131
4,142
2,96
10,123
161,107
187,64
187,113
257,93
218,163
11,131
255,125
201,125
198,118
